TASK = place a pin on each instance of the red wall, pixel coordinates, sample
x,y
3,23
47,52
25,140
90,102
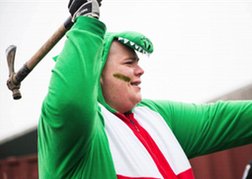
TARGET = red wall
x,y
228,164
19,168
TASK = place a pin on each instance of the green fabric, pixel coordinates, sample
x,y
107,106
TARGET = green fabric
x,y
71,131
206,128
72,142
71,134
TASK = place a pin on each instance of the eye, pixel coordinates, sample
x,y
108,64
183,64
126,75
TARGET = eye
x,y
129,62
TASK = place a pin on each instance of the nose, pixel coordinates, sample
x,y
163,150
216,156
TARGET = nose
x,y
139,71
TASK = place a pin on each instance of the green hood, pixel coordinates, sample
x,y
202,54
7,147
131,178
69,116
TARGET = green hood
x,y
134,40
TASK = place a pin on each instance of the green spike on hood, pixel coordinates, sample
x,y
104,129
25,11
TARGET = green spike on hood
x,y
134,40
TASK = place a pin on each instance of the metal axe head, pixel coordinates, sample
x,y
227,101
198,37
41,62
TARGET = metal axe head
x,y
15,79
12,84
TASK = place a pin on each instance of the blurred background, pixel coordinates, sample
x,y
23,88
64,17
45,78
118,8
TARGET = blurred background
x,y
202,51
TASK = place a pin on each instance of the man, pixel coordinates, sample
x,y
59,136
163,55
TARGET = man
x,y
95,125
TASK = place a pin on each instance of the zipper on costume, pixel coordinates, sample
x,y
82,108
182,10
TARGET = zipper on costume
x,y
134,124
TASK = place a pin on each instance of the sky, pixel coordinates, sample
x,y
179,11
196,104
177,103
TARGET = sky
x,y
202,49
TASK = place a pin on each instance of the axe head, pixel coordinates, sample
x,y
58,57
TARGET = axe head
x,y
12,84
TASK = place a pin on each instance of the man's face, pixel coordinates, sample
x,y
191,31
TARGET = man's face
x,y
120,78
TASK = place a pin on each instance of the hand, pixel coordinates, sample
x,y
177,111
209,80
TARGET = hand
x,y
75,5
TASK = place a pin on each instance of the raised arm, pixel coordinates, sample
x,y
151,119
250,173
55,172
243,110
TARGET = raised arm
x,y
69,110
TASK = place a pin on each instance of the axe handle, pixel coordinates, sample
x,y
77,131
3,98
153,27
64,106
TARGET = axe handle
x,y
44,49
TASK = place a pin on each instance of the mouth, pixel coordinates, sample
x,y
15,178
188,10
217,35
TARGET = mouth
x,y
136,83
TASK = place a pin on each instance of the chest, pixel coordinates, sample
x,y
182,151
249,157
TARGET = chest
x,y
129,147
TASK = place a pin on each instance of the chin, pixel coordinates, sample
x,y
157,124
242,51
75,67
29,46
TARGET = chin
x,y
138,99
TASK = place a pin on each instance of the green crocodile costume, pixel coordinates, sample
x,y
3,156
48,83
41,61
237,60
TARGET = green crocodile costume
x,y
80,136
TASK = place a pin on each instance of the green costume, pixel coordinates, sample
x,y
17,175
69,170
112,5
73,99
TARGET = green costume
x,y
78,134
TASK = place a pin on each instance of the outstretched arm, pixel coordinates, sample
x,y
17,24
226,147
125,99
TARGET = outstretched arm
x,y
207,128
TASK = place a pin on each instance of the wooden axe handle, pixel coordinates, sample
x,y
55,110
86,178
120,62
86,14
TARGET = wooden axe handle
x,y
44,49
16,78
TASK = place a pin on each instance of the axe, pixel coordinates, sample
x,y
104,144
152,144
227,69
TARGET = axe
x,y
15,79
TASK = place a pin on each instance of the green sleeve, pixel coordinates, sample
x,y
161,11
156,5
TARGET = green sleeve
x,y
207,128
69,111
